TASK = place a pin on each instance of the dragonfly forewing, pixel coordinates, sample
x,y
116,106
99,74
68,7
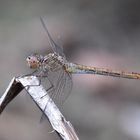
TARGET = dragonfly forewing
x,y
56,48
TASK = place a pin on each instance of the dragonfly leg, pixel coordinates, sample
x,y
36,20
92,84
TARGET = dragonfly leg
x,y
50,88
45,75
31,74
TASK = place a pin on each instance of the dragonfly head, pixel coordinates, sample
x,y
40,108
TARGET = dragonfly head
x,y
34,61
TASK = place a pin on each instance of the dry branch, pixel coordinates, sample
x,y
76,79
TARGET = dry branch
x,y
36,91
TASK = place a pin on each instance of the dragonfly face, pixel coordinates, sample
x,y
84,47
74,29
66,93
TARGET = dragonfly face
x,y
34,61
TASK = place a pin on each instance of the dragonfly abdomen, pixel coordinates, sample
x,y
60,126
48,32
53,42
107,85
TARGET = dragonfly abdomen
x,y
81,69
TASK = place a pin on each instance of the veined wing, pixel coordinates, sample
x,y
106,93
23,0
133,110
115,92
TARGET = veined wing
x,y
61,89
62,85
61,82
56,48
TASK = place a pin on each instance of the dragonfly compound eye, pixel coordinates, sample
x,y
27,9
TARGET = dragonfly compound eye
x,y
32,62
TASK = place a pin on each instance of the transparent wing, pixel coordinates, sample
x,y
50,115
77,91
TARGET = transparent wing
x,y
56,48
61,89
62,85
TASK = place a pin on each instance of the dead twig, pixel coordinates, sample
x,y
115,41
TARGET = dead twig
x,y
32,85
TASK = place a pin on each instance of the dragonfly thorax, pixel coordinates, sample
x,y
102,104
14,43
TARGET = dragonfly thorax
x,y
48,62
53,62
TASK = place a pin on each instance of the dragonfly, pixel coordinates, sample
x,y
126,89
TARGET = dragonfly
x,y
58,71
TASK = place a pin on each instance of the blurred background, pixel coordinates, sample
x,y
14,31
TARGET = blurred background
x,y
95,33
